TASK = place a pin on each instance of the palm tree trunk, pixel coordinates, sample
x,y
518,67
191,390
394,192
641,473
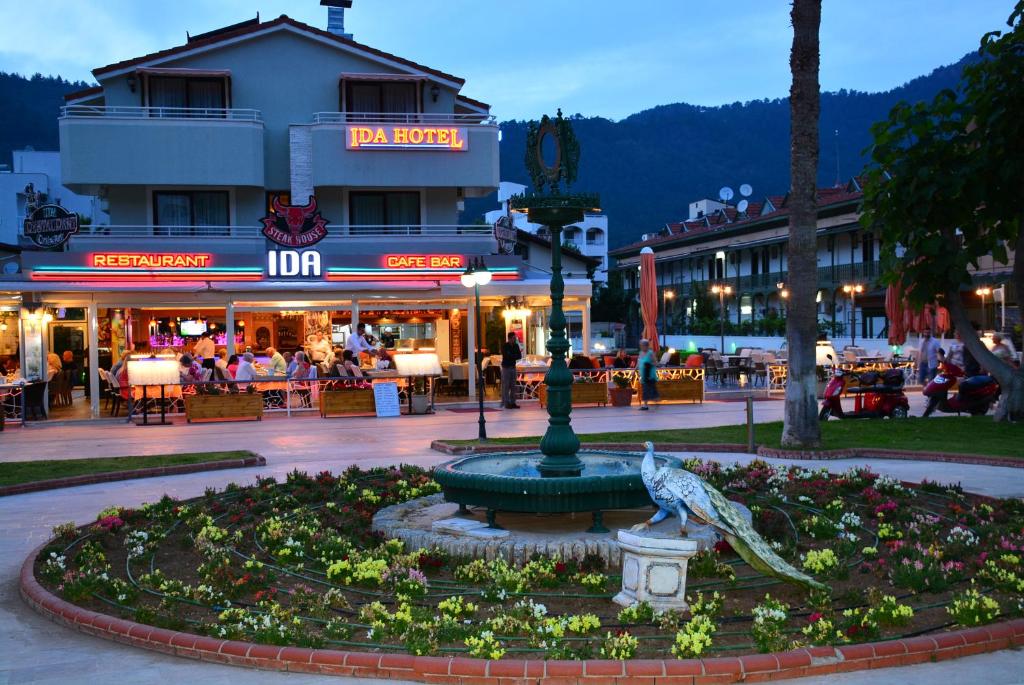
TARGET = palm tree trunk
x,y
801,427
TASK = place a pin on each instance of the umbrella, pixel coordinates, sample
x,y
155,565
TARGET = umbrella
x,y
942,322
894,312
649,297
909,320
924,319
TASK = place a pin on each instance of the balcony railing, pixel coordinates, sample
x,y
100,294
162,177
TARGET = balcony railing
x,y
194,113
119,232
431,118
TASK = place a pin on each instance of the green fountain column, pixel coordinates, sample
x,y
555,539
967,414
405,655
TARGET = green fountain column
x,y
560,443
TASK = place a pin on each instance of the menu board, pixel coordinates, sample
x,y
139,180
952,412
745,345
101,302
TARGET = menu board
x,y
385,396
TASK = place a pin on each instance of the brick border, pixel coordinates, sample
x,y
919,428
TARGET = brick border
x,y
151,472
467,671
762,451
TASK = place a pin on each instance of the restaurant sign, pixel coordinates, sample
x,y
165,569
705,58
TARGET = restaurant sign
x,y
50,225
452,138
294,225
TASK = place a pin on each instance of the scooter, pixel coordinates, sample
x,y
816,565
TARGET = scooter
x,y
873,401
974,395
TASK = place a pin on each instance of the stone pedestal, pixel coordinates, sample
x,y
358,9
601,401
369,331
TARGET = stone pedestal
x,y
654,569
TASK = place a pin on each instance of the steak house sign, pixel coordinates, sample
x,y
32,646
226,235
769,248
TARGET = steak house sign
x,y
452,138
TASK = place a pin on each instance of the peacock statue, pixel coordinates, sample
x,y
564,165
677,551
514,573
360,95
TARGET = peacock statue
x,y
685,494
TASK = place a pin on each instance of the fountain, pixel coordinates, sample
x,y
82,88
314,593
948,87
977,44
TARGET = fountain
x,y
559,478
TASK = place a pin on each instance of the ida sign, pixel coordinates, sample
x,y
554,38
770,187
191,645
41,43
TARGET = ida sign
x,y
294,264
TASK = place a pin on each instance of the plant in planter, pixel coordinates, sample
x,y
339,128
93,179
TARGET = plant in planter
x,y
621,393
420,398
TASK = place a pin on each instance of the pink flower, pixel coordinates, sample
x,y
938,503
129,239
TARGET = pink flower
x,y
815,617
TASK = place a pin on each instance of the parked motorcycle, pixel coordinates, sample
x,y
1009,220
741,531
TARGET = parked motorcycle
x,y
877,395
974,395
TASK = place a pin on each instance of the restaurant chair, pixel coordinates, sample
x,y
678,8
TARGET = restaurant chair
x,y
115,394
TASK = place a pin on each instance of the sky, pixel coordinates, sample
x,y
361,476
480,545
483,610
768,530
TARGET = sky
x,y
526,57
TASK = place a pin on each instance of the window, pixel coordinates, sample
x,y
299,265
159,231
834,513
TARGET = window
x,y
867,247
285,195
194,93
179,212
381,98
595,236
399,212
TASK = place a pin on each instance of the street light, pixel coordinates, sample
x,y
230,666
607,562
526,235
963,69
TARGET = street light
x,y
852,289
476,275
666,295
784,294
984,291
721,291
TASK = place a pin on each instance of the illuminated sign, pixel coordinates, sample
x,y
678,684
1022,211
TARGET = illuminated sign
x,y
407,138
294,225
50,225
149,260
291,263
424,261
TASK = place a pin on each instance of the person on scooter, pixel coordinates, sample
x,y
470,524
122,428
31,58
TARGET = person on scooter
x,y
927,358
962,357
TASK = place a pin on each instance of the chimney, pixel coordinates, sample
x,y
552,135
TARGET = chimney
x,y
336,16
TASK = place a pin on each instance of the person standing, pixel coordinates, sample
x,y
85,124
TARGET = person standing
x,y
648,369
510,354
204,347
356,342
927,358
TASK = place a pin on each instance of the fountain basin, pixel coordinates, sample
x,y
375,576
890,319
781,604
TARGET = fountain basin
x,y
512,482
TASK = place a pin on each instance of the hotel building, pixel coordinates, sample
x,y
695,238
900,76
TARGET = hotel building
x,y
266,181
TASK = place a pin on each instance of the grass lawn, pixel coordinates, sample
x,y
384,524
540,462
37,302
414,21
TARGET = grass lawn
x,y
963,435
17,472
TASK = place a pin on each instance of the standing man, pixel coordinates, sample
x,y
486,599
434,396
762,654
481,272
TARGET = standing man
x,y
927,358
356,342
204,347
510,354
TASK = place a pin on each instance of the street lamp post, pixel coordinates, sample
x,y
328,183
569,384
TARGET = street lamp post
x,y
721,291
666,295
476,275
984,291
784,294
852,289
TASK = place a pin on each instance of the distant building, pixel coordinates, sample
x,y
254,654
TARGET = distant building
x,y
41,169
589,237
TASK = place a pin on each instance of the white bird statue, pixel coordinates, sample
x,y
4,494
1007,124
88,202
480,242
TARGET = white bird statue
x,y
685,494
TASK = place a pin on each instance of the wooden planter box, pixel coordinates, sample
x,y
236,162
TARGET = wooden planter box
x,y
229,406
683,389
582,393
344,402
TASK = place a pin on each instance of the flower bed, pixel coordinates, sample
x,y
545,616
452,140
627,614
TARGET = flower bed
x,y
294,564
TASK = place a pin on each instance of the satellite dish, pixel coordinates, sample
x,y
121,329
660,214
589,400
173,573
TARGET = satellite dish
x,y
746,190
742,206
725,193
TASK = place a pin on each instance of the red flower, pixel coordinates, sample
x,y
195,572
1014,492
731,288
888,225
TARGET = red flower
x,y
815,617
723,547
560,567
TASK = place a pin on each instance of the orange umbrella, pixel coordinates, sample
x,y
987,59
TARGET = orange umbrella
x,y
894,312
649,297
942,322
924,319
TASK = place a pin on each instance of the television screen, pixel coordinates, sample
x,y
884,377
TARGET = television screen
x,y
192,328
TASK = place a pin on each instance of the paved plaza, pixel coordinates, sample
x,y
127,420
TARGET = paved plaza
x,y
37,651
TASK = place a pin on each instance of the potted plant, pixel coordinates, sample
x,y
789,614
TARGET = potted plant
x,y
621,393
420,402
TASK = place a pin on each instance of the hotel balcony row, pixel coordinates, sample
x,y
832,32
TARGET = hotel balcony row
x,y
104,146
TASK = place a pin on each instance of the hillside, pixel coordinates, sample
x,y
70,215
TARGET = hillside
x,y
28,111
649,166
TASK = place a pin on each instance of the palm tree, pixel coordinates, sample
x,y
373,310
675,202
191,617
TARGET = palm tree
x,y
801,427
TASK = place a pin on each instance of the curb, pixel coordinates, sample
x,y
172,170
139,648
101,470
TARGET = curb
x,y
152,472
762,451
467,671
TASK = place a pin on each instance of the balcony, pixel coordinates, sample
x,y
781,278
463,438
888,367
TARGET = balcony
x,y
365,239
160,145
404,150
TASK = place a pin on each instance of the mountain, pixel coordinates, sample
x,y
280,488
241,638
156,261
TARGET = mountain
x,y
29,111
649,166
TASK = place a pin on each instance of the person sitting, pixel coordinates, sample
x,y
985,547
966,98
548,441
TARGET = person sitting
x,y
348,365
220,359
1001,350
69,365
277,365
190,370
233,365
246,370
301,367
384,359
621,360
53,364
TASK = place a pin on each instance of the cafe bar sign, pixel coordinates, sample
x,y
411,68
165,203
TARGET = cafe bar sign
x,y
401,137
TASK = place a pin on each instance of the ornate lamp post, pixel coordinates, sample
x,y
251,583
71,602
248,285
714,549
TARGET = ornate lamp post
x,y
555,211
983,292
721,291
476,275
852,289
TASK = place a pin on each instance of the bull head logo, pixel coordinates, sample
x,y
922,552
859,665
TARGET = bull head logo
x,y
294,215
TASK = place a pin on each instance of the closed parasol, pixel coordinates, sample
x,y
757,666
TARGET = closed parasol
x,y
649,296
943,324
924,319
894,312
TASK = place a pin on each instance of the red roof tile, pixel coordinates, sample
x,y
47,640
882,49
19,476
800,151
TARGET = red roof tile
x,y
85,92
253,28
